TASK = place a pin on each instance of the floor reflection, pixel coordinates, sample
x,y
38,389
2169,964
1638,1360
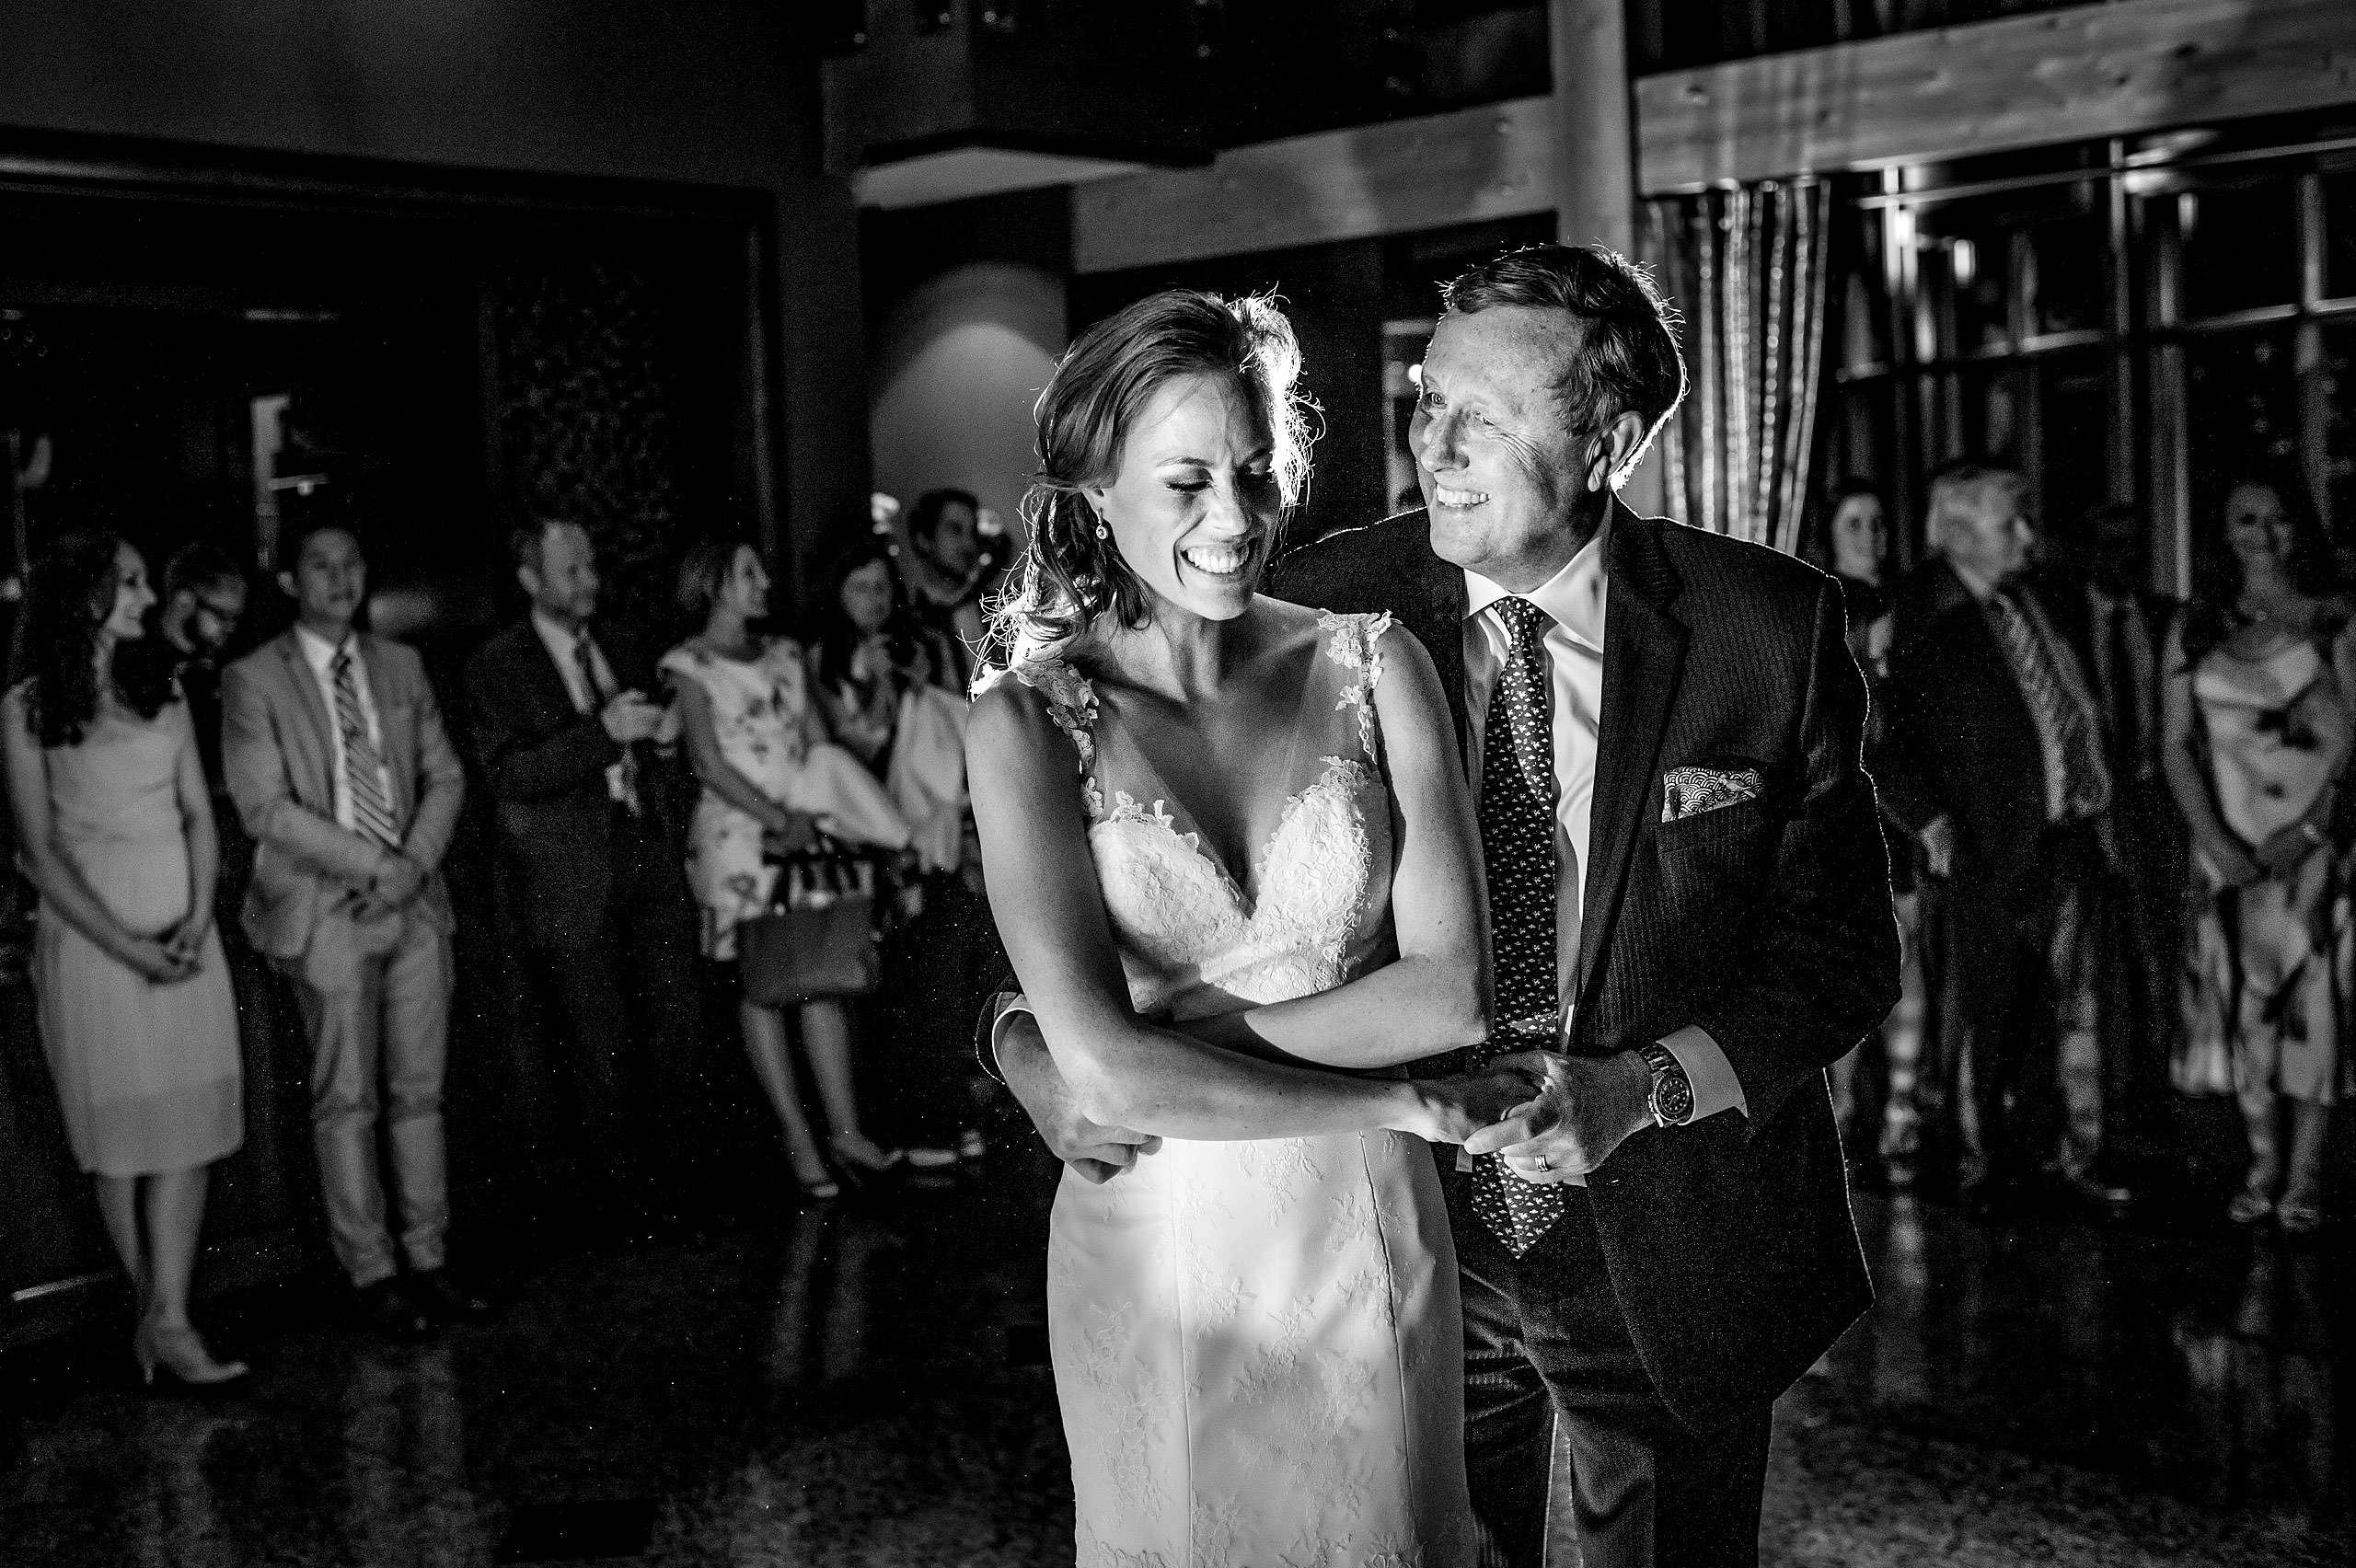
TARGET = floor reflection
x,y
860,1382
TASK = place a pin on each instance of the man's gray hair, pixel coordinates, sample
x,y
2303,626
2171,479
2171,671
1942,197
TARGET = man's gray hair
x,y
1965,487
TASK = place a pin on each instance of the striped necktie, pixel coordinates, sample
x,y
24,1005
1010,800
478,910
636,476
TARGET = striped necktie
x,y
364,777
2069,727
1517,816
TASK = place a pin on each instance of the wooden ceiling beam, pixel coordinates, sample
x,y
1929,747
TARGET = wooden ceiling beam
x,y
2091,71
1472,166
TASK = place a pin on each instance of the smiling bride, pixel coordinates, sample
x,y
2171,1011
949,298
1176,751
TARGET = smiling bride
x,y
1236,866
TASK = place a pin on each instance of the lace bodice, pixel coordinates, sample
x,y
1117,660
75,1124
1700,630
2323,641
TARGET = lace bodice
x,y
1193,941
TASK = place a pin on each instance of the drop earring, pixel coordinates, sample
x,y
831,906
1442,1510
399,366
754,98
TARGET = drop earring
x,y
1102,532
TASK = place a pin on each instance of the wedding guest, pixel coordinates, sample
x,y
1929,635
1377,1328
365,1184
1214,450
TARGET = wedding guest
x,y
2260,675
203,600
1873,1086
2128,621
340,766
771,780
877,685
574,743
1994,759
114,825
947,571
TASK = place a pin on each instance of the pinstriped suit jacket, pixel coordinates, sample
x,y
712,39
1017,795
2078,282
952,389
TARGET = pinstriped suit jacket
x,y
1766,923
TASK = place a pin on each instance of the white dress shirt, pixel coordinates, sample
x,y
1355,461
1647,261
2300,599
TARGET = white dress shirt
x,y
320,653
1573,601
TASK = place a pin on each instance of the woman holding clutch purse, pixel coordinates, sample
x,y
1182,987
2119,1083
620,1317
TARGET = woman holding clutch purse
x,y
772,781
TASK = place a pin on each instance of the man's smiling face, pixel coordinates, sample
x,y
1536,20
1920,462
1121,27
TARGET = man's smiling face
x,y
1501,470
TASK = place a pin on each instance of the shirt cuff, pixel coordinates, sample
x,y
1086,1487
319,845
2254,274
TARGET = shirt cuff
x,y
1715,1088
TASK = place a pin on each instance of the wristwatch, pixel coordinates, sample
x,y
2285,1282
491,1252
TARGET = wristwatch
x,y
1672,1096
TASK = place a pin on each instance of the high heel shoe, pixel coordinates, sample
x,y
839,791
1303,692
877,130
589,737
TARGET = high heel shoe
x,y
181,1352
860,1161
2299,1213
819,1187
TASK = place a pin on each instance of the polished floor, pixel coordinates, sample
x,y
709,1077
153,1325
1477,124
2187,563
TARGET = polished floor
x,y
864,1383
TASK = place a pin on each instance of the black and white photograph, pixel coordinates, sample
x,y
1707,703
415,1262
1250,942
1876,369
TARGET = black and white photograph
x,y
1177,783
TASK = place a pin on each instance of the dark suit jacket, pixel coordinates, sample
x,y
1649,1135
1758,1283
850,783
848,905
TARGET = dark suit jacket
x,y
1956,737
1767,922
546,763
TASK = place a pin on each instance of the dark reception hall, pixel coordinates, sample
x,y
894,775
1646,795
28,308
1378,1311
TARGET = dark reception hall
x,y
1177,783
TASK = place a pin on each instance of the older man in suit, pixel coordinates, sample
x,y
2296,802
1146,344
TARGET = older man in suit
x,y
590,812
1692,921
1995,755
336,756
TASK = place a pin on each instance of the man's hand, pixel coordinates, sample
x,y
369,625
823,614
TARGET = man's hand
x,y
631,717
1938,846
398,879
1587,1107
1099,1153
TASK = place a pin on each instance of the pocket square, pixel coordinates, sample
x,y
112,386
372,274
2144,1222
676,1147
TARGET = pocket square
x,y
1690,792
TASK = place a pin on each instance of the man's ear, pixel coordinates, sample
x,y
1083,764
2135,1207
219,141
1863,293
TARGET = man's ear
x,y
530,577
286,585
1614,449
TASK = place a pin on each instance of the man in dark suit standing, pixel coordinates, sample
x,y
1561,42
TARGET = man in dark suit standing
x,y
589,809
1995,756
1691,920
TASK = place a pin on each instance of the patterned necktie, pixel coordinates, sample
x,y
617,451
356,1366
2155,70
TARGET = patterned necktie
x,y
364,779
2068,730
1516,812
584,653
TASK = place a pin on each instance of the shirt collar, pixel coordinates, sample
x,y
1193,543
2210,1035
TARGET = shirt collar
x,y
1573,597
1973,583
317,651
559,638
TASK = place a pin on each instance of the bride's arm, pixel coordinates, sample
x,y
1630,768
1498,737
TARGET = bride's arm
x,y
1435,997
1121,1070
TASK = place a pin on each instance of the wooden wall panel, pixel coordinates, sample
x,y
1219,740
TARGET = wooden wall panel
x,y
2088,72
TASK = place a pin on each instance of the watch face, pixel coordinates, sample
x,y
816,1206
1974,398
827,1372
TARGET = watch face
x,y
1673,1098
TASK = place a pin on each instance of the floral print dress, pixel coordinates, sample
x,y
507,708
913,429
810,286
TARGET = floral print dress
x,y
770,731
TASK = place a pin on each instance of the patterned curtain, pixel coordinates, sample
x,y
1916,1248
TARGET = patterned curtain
x,y
1747,269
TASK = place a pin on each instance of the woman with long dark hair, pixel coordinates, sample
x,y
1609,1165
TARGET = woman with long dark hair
x,y
2257,731
115,828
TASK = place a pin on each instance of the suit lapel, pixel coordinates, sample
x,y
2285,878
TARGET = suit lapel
x,y
1644,654
319,759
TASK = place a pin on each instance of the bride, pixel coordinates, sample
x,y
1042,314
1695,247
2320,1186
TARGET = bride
x,y
1235,864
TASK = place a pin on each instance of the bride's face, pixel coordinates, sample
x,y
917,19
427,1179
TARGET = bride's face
x,y
1194,506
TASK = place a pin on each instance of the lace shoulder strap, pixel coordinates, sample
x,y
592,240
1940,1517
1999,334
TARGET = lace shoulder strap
x,y
1071,703
1354,643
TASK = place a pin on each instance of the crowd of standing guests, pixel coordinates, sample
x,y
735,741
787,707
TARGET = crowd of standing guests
x,y
644,809
2119,853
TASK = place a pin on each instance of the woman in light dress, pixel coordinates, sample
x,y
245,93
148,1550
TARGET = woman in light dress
x,y
771,780
114,825
2256,710
1231,851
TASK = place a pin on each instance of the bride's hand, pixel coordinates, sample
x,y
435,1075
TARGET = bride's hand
x,y
1452,1109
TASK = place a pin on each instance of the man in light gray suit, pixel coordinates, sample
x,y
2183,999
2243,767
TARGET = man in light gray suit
x,y
342,771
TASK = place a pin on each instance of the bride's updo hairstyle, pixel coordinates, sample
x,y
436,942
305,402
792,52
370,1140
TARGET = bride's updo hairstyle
x,y
1067,577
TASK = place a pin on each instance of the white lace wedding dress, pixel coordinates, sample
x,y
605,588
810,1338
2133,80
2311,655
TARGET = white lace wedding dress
x,y
1257,1344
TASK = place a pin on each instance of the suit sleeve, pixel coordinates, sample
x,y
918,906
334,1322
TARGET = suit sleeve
x,y
1821,969
1902,774
441,778
256,768
521,765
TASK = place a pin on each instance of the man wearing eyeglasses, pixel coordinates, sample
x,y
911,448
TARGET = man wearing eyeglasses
x,y
205,598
